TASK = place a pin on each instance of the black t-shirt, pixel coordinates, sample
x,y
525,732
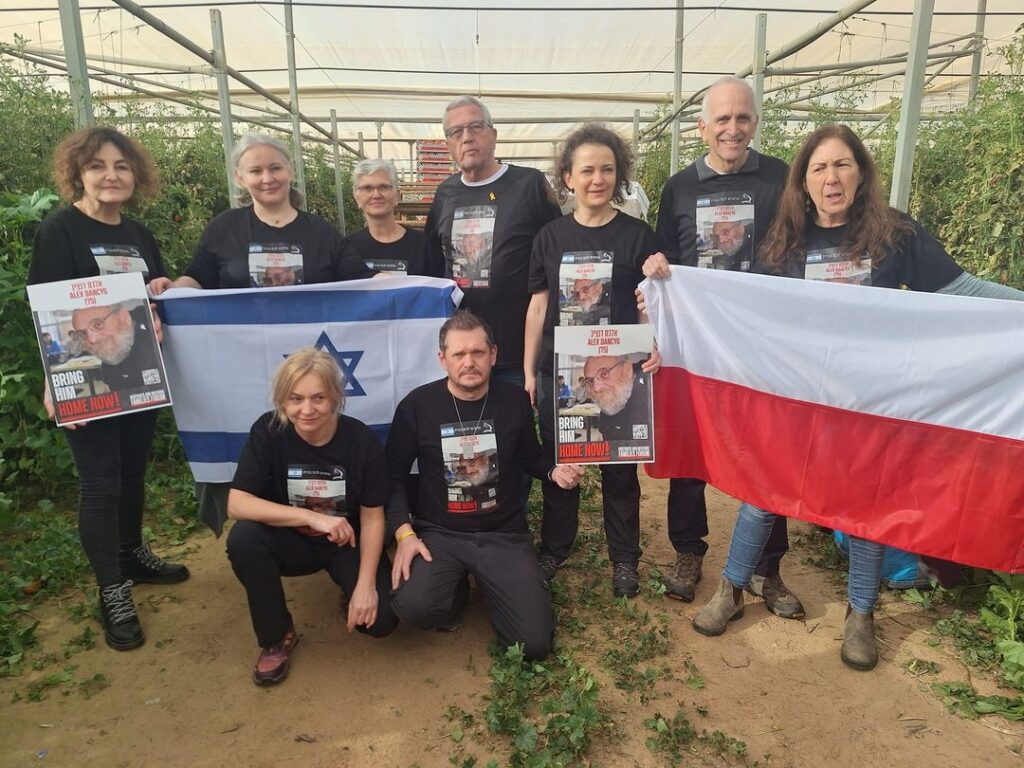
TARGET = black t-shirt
x,y
919,262
70,245
717,220
590,274
405,255
471,457
480,236
337,478
238,250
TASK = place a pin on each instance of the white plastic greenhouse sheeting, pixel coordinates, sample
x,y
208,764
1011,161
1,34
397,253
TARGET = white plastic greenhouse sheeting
x,y
508,56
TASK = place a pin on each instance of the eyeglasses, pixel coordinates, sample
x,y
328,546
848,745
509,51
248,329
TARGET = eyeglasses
x,y
94,326
602,374
382,189
475,129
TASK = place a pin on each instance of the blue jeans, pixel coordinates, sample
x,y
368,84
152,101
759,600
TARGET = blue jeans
x,y
754,526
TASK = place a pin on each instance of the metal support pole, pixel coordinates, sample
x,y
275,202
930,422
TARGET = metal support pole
x,y
979,40
677,89
293,90
339,191
362,153
636,131
412,161
910,112
141,13
74,53
760,56
220,63
380,140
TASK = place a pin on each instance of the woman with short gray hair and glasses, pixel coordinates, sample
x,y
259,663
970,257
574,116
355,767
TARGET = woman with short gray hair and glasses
x,y
384,244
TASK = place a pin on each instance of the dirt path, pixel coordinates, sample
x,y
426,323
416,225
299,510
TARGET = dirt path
x,y
185,698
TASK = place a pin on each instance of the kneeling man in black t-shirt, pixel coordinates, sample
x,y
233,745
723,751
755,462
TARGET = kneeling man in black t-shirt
x,y
473,437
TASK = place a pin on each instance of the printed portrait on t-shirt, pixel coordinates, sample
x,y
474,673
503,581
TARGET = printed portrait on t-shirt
x,y
472,245
470,466
274,264
831,266
585,280
115,259
725,231
319,488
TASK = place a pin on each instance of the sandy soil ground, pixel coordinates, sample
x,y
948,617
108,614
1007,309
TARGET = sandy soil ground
x,y
185,698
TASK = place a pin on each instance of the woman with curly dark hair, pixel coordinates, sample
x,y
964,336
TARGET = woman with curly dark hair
x,y
100,171
584,269
833,224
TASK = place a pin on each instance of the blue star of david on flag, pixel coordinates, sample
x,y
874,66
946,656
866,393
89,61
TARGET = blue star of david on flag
x,y
347,361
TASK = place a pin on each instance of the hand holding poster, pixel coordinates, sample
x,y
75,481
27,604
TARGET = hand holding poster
x,y
109,361
613,424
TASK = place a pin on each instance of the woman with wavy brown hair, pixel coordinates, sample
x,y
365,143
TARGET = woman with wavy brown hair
x,y
100,172
833,224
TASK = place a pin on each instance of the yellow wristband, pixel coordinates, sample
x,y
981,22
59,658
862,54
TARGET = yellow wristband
x,y
405,535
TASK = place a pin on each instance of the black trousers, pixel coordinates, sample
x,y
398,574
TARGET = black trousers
x,y
111,457
261,554
688,525
506,570
620,491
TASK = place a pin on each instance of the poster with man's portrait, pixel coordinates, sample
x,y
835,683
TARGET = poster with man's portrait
x,y
615,424
108,361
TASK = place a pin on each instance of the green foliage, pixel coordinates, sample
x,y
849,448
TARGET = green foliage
x,y
35,118
31,453
963,700
972,205
558,730
635,640
1003,615
672,737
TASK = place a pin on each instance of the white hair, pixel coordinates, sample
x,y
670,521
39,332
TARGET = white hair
x,y
730,80
467,100
373,165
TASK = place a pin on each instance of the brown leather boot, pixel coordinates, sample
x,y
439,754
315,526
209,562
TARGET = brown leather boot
x,y
724,606
859,649
682,581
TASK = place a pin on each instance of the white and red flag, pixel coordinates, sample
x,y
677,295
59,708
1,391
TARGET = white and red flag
x,y
892,415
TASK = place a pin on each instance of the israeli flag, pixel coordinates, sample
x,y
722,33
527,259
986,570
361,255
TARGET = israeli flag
x,y
222,346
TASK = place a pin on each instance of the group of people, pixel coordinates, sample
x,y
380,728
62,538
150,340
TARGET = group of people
x,y
316,490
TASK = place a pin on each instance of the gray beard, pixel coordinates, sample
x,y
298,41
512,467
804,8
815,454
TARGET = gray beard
x,y
614,401
122,347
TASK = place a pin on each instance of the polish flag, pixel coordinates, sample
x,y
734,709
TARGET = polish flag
x,y
892,415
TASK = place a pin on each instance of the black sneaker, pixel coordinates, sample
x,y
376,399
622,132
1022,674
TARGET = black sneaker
x,y
625,579
549,565
143,567
120,621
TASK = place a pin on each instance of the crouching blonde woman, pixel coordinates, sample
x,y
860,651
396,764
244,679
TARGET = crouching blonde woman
x,y
309,496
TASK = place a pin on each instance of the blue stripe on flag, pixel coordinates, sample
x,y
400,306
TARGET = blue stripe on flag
x,y
316,306
225,447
